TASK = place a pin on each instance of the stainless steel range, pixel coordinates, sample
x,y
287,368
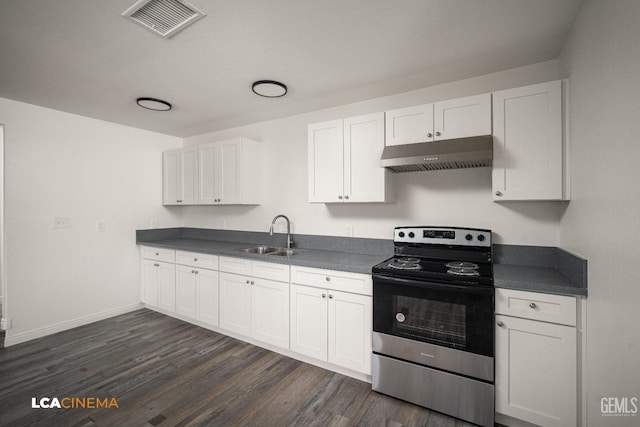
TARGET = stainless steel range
x,y
433,312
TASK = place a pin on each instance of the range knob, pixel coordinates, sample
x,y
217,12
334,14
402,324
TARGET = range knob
x,y
481,237
411,234
468,237
401,234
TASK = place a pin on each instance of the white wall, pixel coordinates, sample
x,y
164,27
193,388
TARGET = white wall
x,y
454,197
63,165
602,222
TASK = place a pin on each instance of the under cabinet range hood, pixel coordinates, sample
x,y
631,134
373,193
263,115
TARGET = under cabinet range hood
x,y
472,152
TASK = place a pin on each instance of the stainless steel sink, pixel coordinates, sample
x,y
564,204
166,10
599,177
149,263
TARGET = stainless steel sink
x,y
262,250
284,252
269,250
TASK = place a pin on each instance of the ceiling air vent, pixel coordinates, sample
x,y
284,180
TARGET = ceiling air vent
x,y
164,17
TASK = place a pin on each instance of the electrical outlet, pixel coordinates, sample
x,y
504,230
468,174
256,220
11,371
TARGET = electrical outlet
x,y
60,222
350,231
153,223
101,226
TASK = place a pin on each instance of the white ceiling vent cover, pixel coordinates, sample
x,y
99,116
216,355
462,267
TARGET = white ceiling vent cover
x,y
164,17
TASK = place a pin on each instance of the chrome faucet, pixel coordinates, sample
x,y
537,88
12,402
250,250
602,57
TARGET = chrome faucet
x,y
289,238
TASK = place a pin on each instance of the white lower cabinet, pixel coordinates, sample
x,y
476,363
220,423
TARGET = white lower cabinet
x,y
330,325
270,312
197,293
536,360
255,305
235,303
309,324
322,314
197,286
158,284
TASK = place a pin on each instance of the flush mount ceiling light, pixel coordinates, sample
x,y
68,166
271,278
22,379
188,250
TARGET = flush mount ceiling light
x,y
153,104
269,88
164,17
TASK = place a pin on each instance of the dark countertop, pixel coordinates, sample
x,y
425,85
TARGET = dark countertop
x,y
527,268
331,260
535,279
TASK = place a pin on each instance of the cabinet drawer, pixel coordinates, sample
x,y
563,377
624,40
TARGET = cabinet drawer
x,y
195,259
269,270
331,279
159,254
536,306
235,265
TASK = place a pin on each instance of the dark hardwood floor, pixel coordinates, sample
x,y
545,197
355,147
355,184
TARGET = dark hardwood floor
x,y
166,372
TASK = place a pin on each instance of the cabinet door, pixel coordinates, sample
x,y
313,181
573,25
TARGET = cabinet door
x,y
462,117
536,370
326,162
149,282
235,303
364,178
229,167
409,125
207,174
528,143
207,296
350,320
186,291
270,312
166,286
180,177
189,166
171,180
309,321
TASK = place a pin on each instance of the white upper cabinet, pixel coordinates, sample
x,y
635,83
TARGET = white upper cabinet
x,y
529,152
409,125
326,173
364,179
454,118
462,117
180,177
228,172
344,161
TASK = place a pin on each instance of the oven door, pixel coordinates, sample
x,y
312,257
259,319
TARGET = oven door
x,y
447,315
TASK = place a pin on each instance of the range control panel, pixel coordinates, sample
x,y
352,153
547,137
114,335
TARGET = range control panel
x,y
443,236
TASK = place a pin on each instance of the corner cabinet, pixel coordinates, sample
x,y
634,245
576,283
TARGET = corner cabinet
x,y
530,143
344,161
451,119
180,177
228,172
536,359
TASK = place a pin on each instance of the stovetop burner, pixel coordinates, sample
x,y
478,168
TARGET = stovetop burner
x,y
460,256
405,263
462,265
463,268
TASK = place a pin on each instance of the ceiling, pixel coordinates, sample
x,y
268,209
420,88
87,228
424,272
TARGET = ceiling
x,y
83,57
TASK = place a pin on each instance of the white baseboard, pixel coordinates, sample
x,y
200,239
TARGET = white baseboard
x,y
12,339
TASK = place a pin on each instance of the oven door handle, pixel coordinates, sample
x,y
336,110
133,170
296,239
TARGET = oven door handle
x,y
429,284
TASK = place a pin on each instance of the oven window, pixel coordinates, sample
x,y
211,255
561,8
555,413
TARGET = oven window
x,y
437,321
456,317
